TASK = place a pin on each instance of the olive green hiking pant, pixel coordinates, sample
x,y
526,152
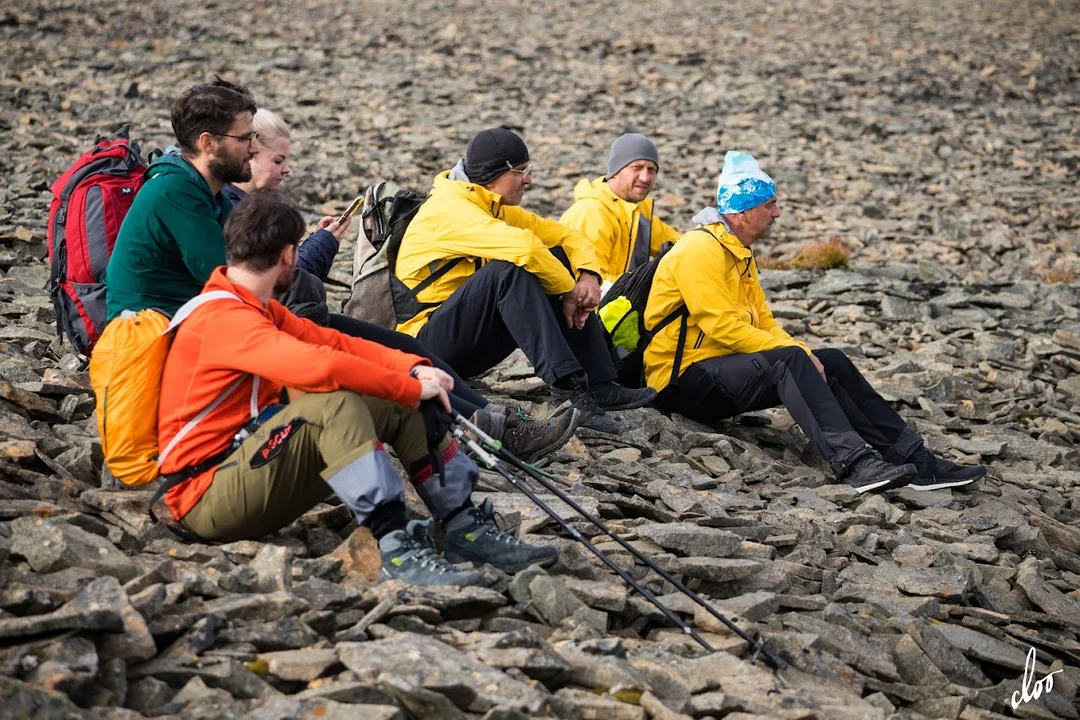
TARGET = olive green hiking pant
x,y
320,444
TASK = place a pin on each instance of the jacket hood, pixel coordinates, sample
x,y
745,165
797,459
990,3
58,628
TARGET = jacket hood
x,y
456,182
596,189
458,172
172,163
712,216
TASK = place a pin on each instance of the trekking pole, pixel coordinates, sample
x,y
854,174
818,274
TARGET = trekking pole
x,y
759,647
491,462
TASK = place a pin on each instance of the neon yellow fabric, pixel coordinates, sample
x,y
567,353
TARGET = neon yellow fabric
x,y
624,334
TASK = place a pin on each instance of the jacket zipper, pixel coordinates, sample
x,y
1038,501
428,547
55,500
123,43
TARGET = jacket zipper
x,y
630,247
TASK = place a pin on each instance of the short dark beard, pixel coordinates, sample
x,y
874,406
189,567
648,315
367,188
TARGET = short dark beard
x,y
230,170
284,285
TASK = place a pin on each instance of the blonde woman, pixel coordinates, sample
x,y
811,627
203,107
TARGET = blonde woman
x,y
527,438
268,170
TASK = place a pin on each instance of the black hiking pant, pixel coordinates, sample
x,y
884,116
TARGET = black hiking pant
x,y
841,417
463,398
502,307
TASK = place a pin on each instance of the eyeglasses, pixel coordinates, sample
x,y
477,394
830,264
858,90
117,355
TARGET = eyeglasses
x,y
250,137
525,172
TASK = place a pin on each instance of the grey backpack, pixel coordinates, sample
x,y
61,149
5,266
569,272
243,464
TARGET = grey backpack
x,y
377,295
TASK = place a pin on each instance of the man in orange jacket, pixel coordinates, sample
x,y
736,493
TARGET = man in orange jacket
x,y
240,466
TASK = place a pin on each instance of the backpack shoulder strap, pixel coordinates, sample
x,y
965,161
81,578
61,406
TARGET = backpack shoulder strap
x,y
182,314
679,347
431,278
198,301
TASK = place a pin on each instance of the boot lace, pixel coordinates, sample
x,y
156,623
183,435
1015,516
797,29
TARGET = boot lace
x,y
585,401
423,554
485,515
526,427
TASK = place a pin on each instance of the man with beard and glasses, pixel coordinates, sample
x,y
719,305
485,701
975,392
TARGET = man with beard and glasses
x,y
615,211
250,466
171,239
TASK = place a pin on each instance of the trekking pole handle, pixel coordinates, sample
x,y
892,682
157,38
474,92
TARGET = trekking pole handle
x,y
493,444
486,459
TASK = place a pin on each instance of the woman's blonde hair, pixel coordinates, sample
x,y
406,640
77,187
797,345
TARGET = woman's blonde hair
x,y
269,126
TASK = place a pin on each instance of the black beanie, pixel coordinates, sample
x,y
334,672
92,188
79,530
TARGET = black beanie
x,y
493,152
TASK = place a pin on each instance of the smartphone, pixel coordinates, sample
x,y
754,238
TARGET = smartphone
x,y
351,210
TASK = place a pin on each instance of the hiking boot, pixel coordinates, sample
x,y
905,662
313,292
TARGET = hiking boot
x,y
935,473
410,555
472,535
593,415
613,396
491,420
530,439
871,472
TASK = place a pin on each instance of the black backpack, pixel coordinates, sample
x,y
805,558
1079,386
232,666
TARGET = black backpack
x,y
622,310
378,296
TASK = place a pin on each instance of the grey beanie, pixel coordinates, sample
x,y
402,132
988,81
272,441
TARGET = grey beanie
x,y
627,149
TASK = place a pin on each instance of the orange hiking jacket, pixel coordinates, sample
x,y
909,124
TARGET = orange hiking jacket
x,y
225,339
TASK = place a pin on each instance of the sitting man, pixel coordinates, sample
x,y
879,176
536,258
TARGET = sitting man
x,y
237,466
491,277
615,211
721,353
172,238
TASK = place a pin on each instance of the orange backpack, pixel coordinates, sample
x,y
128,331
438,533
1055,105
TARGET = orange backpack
x,y
125,373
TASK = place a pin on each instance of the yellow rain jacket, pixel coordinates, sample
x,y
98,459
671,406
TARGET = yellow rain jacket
x,y
465,220
614,225
716,278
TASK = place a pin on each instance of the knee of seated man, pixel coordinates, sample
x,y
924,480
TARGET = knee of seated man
x,y
833,359
342,406
790,354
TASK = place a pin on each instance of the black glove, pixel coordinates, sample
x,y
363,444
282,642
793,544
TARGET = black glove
x,y
437,422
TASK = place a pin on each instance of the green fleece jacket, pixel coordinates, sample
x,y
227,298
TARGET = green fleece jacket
x,y
169,242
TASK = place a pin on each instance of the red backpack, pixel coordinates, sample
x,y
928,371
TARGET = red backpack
x,y
89,202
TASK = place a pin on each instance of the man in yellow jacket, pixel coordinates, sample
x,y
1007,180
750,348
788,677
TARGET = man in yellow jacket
x,y
489,277
721,352
615,211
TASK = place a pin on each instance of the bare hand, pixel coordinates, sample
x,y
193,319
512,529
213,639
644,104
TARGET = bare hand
x,y
570,309
433,389
819,366
336,229
426,372
579,303
588,291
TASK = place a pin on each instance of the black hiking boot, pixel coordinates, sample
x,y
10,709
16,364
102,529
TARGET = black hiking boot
x,y
935,473
613,396
472,535
593,415
872,472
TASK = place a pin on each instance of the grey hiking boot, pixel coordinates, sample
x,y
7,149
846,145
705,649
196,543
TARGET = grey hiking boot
x,y
410,555
872,472
530,439
472,535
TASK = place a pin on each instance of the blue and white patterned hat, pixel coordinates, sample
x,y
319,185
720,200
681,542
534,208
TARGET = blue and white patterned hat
x,y
742,185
